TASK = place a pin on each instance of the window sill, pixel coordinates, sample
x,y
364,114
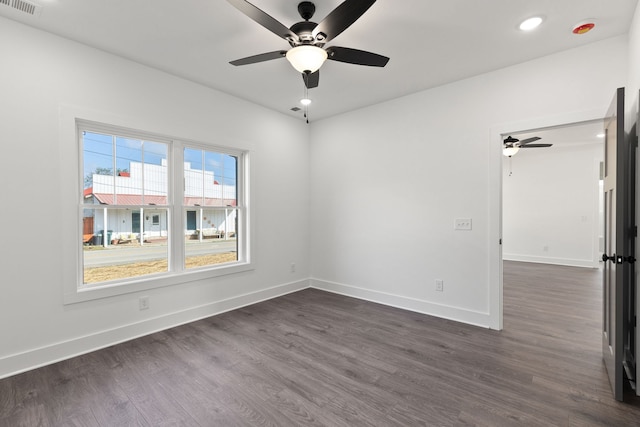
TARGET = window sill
x,y
93,292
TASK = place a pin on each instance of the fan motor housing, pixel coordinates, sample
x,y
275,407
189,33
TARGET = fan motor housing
x,y
304,30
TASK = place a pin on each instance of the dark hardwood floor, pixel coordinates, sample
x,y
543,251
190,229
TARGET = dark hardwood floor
x,y
315,358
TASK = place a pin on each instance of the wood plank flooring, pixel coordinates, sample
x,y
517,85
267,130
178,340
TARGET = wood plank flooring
x,y
315,358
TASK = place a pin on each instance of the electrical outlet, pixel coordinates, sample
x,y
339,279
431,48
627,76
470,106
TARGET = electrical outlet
x,y
440,285
143,303
293,267
462,224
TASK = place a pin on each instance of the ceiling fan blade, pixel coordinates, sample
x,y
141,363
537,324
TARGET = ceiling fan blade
x,y
311,80
265,20
259,58
535,145
340,19
355,56
529,140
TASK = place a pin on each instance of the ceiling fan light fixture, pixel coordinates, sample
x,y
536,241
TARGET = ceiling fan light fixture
x,y
531,23
305,101
510,151
307,58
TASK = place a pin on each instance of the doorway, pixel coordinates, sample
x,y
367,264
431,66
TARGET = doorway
x,y
191,221
624,230
135,222
496,169
551,196
551,205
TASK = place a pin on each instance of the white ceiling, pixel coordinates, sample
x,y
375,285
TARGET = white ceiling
x,y
430,42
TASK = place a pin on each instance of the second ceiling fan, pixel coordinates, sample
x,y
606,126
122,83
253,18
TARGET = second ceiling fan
x,y
307,39
513,145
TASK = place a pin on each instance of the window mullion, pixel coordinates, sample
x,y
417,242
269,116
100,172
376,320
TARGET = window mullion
x,y
176,210
114,162
142,174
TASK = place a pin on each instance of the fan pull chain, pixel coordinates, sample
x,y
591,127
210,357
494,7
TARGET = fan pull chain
x,y
510,166
306,96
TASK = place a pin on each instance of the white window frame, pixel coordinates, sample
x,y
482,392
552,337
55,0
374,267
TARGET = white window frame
x,y
74,291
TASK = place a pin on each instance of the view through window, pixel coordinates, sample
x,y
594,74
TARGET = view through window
x,y
127,208
210,200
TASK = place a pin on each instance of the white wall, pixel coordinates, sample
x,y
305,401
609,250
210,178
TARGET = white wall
x,y
550,205
441,147
40,76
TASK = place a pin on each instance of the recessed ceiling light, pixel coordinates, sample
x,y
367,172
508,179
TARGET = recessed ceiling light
x,y
305,101
531,23
600,135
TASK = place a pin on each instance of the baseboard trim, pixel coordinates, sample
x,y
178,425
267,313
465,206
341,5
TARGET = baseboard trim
x,y
406,303
549,260
20,362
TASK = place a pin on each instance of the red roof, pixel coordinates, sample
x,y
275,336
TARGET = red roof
x,y
198,201
129,199
136,199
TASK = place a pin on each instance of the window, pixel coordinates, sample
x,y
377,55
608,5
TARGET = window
x,y
154,208
124,179
210,206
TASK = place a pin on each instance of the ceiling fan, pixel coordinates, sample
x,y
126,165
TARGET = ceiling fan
x,y
513,145
307,39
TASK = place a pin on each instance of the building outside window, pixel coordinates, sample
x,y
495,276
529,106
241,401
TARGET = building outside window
x,y
138,187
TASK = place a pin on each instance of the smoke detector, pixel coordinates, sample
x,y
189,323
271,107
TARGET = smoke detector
x,y
583,27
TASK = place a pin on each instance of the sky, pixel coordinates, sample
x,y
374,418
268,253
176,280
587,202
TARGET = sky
x,y
98,152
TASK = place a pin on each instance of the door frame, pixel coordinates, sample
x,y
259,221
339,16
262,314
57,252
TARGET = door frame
x,y
494,249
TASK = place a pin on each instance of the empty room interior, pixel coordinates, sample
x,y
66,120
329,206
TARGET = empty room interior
x,y
408,229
